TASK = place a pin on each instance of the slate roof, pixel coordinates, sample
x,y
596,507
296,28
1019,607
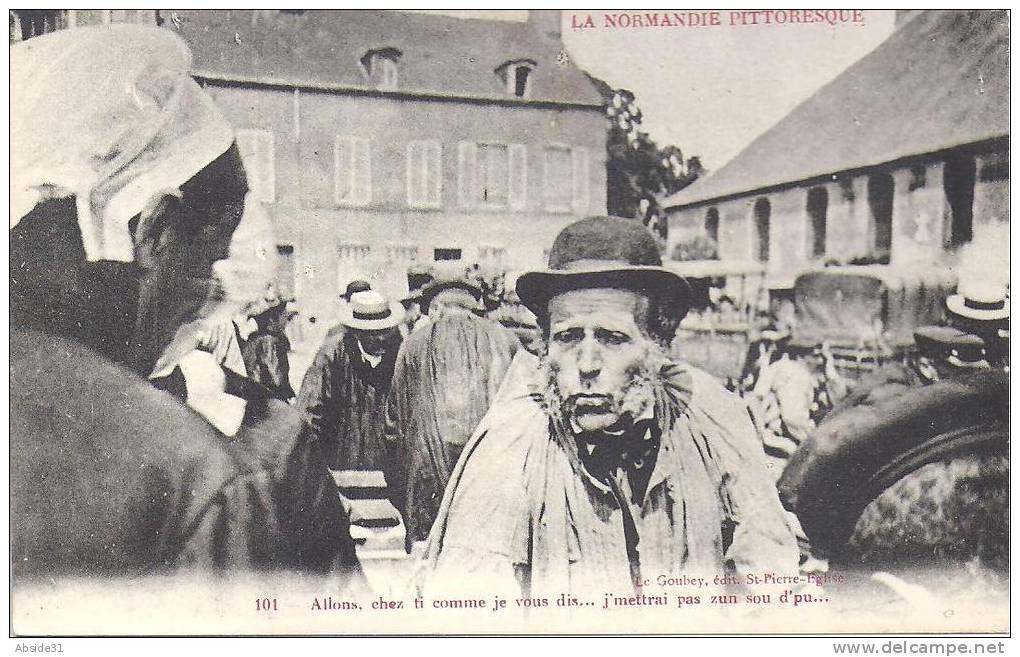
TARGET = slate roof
x,y
442,55
940,80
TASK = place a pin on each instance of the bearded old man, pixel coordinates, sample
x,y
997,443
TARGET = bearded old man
x,y
446,375
616,463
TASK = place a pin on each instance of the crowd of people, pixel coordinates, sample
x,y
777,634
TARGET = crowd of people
x,y
152,432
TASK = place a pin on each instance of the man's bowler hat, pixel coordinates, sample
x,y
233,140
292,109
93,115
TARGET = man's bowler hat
x,y
605,252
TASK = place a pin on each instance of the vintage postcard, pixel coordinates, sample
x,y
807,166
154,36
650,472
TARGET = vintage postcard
x,y
374,322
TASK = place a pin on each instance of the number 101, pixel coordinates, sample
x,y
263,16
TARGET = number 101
x,y
265,604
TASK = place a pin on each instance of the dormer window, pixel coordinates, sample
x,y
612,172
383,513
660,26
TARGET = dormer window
x,y
380,67
516,75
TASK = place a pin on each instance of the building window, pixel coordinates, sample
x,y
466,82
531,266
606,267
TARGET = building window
x,y
581,177
491,254
83,17
257,150
918,177
557,191
565,188
522,81
401,252
380,67
285,271
138,16
492,175
958,181
36,22
352,262
712,224
880,201
995,168
762,220
352,171
446,254
846,187
424,174
516,76
348,251
817,211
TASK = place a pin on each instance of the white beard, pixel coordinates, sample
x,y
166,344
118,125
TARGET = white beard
x,y
637,399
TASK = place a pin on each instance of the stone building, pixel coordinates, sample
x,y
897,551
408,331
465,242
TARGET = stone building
x,y
377,139
380,139
902,158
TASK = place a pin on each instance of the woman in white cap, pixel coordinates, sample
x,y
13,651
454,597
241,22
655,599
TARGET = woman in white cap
x,y
133,237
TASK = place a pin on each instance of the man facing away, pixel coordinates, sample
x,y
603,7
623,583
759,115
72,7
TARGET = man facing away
x,y
447,374
615,462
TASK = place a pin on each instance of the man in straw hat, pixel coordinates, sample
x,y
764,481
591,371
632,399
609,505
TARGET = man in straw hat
x,y
133,238
446,376
982,308
343,394
617,463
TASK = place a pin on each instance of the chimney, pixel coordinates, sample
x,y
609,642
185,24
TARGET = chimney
x,y
547,22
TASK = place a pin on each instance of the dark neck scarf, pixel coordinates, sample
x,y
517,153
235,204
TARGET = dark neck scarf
x,y
630,448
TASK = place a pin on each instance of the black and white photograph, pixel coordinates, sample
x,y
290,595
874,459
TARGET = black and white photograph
x,y
376,322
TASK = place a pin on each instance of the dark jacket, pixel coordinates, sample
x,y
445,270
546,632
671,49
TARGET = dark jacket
x,y
343,400
267,362
447,375
111,477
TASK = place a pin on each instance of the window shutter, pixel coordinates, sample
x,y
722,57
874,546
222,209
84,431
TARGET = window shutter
x,y
257,152
466,167
579,161
343,172
411,175
518,187
434,178
362,171
267,165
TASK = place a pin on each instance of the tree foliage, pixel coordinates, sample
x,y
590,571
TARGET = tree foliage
x,y
639,173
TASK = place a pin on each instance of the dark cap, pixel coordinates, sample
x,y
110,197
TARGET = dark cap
x,y
605,252
434,288
943,342
354,287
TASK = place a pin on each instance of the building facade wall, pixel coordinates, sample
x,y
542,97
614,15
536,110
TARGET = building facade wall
x,y
378,237
921,218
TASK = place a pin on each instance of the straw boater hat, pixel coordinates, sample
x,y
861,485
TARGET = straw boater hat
x,y
604,252
980,301
370,311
